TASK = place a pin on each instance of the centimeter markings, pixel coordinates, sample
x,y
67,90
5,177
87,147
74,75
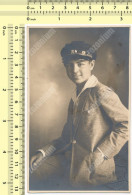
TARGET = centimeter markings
x,y
33,9
23,2
81,1
78,8
15,115
10,108
22,108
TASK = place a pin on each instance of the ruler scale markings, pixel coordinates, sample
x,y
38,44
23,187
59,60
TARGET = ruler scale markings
x,y
15,163
10,127
22,73
37,12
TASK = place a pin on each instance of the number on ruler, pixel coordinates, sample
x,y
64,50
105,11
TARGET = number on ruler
x,y
16,52
16,188
4,27
16,176
16,28
16,151
90,18
16,164
77,7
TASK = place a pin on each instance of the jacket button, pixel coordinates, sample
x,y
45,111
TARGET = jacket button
x,y
74,141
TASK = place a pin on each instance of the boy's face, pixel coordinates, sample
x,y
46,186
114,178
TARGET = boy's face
x,y
79,70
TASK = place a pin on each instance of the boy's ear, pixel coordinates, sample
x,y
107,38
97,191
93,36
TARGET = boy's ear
x,y
92,64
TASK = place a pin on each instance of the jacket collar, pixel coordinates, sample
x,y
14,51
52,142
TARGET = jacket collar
x,y
92,82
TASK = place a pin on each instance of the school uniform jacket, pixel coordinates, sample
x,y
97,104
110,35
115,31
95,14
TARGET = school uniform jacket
x,y
96,118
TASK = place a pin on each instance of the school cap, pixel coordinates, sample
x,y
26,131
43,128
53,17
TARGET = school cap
x,y
77,50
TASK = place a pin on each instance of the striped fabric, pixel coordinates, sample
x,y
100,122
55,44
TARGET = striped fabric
x,y
49,150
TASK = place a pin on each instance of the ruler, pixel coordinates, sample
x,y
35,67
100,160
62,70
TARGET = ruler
x,y
92,11
14,15
12,104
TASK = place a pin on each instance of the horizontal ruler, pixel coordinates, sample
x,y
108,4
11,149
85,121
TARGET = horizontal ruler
x,y
31,11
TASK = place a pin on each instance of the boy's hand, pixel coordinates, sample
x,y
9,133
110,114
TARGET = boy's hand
x,y
94,160
35,161
97,158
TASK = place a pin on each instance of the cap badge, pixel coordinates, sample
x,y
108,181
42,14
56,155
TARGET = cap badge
x,y
83,53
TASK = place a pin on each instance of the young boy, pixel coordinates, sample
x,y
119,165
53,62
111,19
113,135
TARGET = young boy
x,y
97,123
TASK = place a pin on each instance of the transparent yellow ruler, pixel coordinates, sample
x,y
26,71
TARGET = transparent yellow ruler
x,y
12,108
14,14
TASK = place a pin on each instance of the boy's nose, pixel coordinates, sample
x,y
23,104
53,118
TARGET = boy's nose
x,y
75,68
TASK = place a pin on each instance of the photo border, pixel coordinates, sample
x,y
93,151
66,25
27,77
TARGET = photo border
x,y
27,103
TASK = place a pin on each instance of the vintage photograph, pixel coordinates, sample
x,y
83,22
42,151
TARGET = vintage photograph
x,y
78,108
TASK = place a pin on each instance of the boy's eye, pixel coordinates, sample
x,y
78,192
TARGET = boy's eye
x,y
80,64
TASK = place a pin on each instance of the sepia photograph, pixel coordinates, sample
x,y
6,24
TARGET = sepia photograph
x,y
78,108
